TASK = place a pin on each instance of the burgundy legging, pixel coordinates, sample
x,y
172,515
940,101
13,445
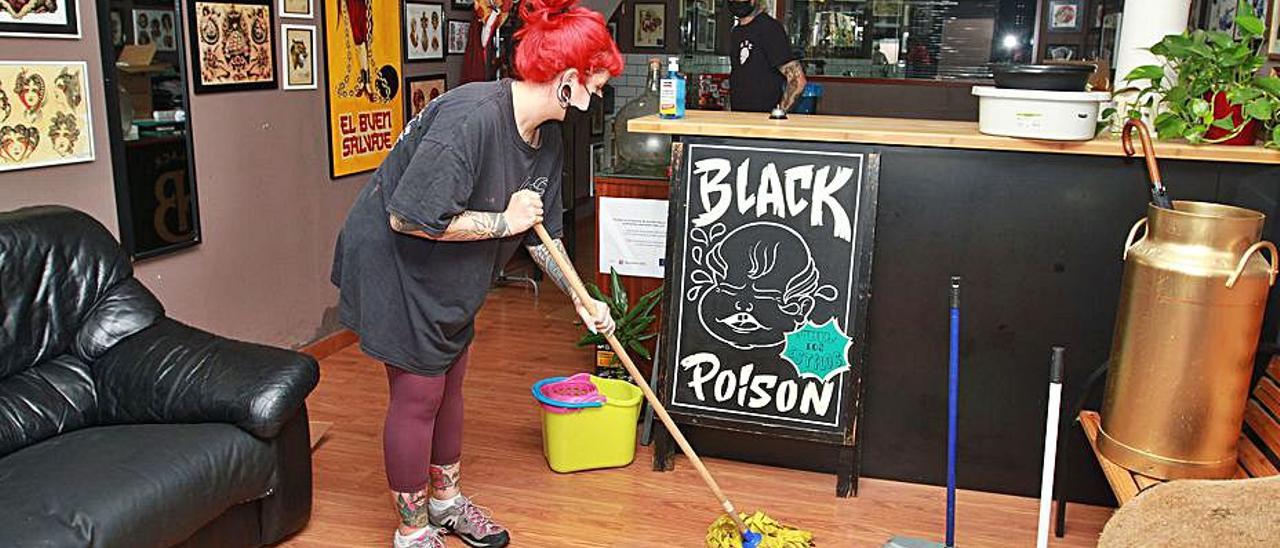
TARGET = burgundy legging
x,y
424,418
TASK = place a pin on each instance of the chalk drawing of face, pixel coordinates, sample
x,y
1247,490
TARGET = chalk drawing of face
x,y
764,284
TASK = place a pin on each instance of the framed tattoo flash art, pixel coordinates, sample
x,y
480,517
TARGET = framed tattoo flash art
x,y
650,25
155,27
44,114
298,50
233,45
458,37
424,26
420,90
40,18
363,82
297,9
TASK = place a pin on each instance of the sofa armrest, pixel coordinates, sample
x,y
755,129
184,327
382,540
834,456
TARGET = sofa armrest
x,y
173,373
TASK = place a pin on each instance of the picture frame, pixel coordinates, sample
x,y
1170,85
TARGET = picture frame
x,y
60,21
650,25
463,4
1062,52
48,120
365,115
259,73
1273,32
152,26
117,28
1066,15
296,9
459,30
419,90
298,57
424,25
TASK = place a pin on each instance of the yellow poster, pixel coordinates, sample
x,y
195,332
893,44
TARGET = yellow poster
x,y
363,79
44,114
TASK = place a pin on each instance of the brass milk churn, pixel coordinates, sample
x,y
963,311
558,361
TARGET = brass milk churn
x,y
1195,287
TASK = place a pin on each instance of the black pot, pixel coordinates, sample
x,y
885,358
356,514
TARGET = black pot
x,y
1044,77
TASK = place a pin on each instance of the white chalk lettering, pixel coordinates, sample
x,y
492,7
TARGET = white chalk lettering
x,y
811,400
751,391
770,193
759,397
725,386
701,375
787,392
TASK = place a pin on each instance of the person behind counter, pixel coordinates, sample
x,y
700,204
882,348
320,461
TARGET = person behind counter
x,y
765,73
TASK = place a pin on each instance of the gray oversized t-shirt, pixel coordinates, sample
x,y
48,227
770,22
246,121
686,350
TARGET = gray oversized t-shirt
x,y
413,301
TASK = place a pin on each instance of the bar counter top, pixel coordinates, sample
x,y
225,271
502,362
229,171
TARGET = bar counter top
x,y
922,133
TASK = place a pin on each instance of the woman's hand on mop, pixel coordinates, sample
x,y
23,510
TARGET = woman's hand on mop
x,y
598,322
523,211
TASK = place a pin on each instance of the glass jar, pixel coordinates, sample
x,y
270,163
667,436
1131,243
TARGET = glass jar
x,y
641,153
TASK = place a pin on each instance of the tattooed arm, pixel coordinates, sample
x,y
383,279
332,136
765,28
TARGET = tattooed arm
x,y
795,83
523,211
600,319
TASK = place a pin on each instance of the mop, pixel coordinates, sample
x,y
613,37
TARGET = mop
x,y
732,530
1050,446
953,390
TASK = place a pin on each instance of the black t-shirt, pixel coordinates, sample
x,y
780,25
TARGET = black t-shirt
x,y
760,48
413,301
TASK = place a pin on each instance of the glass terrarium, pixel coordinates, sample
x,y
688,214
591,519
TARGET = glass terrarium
x,y
641,153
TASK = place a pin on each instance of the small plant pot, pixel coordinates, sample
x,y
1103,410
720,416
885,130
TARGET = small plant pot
x,y
1221,107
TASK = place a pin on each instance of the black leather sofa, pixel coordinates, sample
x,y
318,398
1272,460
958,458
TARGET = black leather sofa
x,y
121,427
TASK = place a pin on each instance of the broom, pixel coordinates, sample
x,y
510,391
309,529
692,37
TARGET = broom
x,y
731,533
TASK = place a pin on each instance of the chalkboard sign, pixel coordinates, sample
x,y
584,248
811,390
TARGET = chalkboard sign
x,y
769,260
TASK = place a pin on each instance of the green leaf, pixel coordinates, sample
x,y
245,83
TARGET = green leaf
x,y
591,339
1169,125
647,337
1261,109
1275,136
639,349
1176,96
1108,112
1248,22
1225,123
1200,108
1155,73
1270,84
619,293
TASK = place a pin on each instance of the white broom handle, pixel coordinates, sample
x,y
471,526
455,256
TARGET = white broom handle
x,y
1050,447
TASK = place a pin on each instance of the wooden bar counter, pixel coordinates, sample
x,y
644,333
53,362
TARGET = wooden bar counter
x,y
1036,229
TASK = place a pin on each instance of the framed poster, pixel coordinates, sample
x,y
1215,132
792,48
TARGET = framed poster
x,y
773,295
298,50
458,36
163,210
155,27
464,4
40,19
117,29
233,46
1273,33
46,121
423,31
363,82
650,25
1066,15
420,90
297,9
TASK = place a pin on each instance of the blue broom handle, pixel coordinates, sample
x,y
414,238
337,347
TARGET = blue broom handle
x,y
953,386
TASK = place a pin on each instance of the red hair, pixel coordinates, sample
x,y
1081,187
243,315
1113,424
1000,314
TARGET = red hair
x,y
558,35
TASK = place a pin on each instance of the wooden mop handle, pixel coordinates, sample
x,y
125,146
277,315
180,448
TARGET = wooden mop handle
x,y
583,296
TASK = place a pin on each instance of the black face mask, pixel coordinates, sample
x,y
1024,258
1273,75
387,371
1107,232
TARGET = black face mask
x,y
740,9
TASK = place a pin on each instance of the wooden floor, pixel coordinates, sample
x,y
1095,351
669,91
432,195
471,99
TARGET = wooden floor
x,y
518,342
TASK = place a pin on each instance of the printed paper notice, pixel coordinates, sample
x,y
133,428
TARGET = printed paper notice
x,y
633,236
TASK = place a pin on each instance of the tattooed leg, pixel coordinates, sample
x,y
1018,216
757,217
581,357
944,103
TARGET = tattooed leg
x,y
444,481
413,510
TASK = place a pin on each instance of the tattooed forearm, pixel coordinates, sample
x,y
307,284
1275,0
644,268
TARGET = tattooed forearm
x,y
466,226
413,508
795,84
542,256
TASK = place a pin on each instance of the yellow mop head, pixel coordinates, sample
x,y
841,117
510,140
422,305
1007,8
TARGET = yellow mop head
x,y
724,534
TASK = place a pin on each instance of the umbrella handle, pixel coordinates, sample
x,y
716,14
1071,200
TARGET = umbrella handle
x,y
1148,152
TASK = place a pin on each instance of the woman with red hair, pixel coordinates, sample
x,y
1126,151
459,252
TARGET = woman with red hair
x,y
470,175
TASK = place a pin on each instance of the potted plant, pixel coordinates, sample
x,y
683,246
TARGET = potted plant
x,y
1217,95
632,326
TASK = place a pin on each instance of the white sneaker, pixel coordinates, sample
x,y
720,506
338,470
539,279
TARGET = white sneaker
x,y
427,537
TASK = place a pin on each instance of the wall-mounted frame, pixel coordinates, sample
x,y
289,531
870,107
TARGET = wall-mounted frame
x,y
157,205
650,29
152,26
463,4
56,19
1273,32
458,32
47,119
297,9
298,56
365,113
256,33
424,31
1066,15
420,90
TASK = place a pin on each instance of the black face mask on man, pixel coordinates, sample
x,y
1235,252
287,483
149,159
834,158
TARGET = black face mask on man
x,y
740,9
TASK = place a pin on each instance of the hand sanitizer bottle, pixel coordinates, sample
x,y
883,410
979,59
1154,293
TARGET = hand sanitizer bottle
x,y
672,95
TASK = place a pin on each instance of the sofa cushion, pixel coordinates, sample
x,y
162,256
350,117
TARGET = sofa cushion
x,y
51,398
135,485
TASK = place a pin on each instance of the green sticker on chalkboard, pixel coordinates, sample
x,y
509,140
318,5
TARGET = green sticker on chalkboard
x,y
818,351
